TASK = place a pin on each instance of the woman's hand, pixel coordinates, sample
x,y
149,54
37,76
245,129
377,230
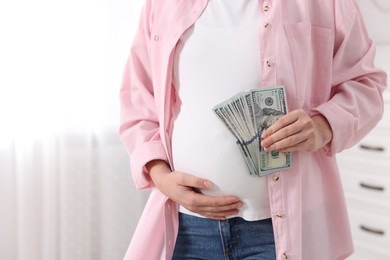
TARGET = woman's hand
x,y
182,188
297,131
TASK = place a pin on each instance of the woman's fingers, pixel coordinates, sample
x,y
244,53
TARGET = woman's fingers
x,y
189,180
210,206
185,189
213,203
297,131
281,123
290,133
214,207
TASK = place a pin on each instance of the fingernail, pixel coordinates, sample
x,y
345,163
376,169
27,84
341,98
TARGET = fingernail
x,y
263,134
207,184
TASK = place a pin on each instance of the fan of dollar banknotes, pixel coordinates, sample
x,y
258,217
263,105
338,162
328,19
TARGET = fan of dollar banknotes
x,y
246,115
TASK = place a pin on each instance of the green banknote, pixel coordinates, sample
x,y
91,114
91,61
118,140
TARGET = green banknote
x,y
246,115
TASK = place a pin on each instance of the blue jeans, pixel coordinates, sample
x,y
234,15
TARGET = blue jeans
x,y
231,239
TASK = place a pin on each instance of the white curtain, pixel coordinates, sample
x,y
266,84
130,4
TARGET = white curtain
x,y
65,185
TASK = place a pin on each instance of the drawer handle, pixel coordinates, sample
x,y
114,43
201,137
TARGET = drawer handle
x,y
372,230
372,148
371,187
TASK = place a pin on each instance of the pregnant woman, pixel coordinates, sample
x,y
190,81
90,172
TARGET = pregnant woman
x,y
188,56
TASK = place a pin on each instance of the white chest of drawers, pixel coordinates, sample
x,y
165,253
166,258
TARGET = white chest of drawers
x,y
365,173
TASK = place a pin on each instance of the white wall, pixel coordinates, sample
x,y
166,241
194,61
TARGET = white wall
x,y
64,194
377,18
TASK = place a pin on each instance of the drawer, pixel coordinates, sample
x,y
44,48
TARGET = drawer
x,y
374,147
370,228
351,163
366,184
362,252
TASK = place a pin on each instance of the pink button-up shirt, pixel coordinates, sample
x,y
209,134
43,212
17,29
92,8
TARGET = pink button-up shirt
x,y
320,51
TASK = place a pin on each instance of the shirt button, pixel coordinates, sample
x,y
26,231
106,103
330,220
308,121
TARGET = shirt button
x,y
275,178
156,37
284,256
279,215
267,25
269,65
266,8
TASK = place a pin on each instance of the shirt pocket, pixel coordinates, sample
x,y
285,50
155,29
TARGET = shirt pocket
x,y
311,50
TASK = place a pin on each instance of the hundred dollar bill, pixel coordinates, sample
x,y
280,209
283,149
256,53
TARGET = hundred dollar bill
x,y
246,115
252,163
269,104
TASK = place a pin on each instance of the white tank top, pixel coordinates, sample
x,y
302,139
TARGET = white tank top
x,y
215,59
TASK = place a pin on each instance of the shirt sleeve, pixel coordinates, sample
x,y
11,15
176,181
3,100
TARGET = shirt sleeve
x,y
356,103
139,124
